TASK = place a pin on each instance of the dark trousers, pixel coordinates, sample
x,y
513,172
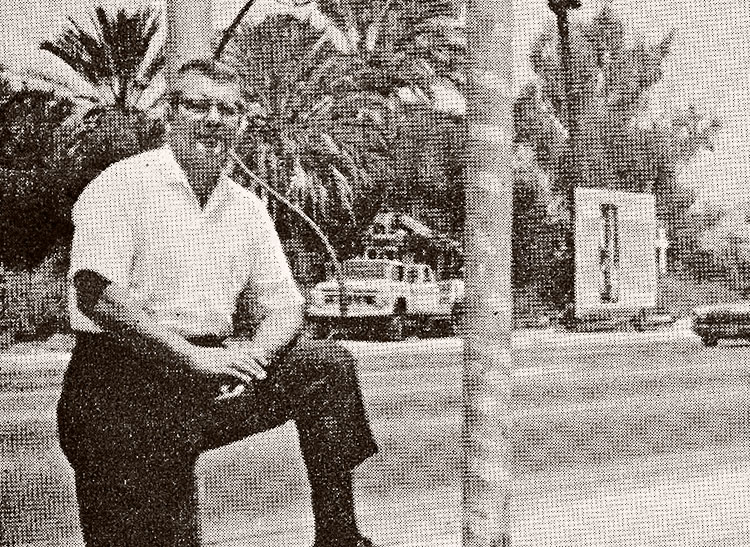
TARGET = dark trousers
x,y
133,433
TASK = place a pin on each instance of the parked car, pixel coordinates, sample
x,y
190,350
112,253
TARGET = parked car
x,y
715,322
652,318
641,319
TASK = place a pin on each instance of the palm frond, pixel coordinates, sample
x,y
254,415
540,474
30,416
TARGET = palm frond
x,y
80,50
115,55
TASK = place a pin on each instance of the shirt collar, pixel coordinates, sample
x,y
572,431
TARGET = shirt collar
x,y
174,174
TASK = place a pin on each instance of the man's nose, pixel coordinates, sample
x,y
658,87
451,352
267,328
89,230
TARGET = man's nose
x,y
213,114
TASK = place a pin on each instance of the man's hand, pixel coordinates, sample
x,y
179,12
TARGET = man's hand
x,y
250,352
245,366
254,358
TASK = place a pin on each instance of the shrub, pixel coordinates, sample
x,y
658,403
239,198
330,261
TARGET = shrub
x,y
34,301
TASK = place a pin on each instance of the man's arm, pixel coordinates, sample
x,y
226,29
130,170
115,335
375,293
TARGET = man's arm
x,y
279,327
272,292
110,307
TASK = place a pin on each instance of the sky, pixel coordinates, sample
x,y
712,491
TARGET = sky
x,y
709,64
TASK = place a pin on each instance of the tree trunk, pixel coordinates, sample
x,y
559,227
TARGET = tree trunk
x,y
188,34
487,322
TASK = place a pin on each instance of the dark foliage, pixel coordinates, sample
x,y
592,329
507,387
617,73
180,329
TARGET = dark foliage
x,y
38,195
30,126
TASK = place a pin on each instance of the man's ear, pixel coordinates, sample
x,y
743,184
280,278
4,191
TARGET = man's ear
x,y
166,105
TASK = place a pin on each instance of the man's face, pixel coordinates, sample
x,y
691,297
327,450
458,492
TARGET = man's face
x,y
206,116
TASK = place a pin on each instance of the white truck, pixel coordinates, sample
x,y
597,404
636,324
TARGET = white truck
x,y
385,299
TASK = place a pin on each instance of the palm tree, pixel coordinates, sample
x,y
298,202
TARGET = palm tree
x,y
116,59
340,100
488,366
407,58
397,43
54,143
120,62
309,139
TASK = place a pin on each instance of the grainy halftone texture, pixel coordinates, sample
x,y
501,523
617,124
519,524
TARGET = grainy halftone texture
x,y
621,437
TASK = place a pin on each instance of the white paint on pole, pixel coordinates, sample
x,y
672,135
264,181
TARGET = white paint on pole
x,y
487,322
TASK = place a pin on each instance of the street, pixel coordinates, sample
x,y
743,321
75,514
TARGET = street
x,y
620,439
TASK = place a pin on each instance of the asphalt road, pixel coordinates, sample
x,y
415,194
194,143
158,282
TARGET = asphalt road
x,y
621,439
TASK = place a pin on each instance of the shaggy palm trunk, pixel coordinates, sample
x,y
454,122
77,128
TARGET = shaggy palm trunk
x,y
571,169
487,325
188,34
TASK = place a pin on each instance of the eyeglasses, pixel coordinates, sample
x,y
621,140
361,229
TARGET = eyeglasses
x,y
200,108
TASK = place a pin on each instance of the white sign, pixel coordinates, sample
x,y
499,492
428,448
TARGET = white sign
x,y
615,250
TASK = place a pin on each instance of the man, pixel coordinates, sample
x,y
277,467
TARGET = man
x,y
164,244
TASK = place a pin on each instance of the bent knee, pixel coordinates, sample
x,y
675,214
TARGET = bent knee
x,y
330,350
329,355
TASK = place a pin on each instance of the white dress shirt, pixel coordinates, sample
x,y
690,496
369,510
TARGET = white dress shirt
x,y
139,224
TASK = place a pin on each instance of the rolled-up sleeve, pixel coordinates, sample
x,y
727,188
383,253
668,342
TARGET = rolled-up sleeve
x,y
271,279
103,234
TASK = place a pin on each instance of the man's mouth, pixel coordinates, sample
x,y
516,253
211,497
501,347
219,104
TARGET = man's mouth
x,y
210,142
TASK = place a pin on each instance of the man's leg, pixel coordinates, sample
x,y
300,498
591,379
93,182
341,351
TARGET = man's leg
x,y
334,433
315,384
138,503
131,447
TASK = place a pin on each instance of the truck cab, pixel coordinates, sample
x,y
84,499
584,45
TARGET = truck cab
x,y
387,295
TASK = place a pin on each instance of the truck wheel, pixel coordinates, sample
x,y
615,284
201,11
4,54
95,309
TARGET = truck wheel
x,y
317,330
710,341
395,329
439,327
429,327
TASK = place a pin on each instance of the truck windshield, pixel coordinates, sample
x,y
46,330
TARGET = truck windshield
x,y
365,270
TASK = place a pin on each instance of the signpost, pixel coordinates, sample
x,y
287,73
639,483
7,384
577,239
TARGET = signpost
x,y
615,252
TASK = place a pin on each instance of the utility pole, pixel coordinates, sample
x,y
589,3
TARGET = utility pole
x,y
571,115
486,326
